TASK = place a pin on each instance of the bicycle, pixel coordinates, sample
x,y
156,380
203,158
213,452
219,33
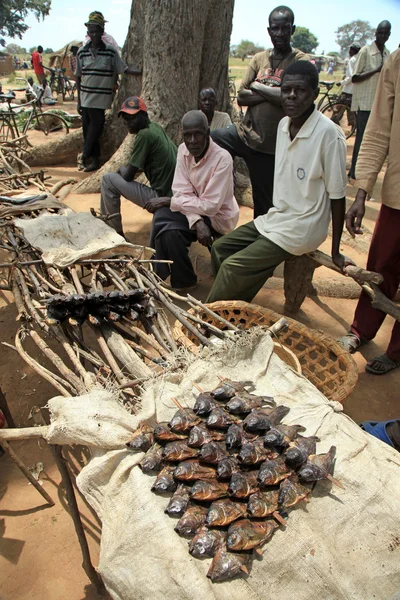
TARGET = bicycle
x,y
337,109
61,83
47,122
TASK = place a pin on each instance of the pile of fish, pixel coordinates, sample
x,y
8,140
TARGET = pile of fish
x,y
99,306
234,470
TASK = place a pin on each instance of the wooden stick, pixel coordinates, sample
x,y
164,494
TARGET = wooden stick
x,y
207,310
76,518
24,433
357,273
335,481
132,329
278,518
26,472
177,403
198,388
381,302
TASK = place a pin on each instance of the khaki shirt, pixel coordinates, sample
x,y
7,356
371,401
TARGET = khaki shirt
x,y
368,59
382,137
260,124
220,120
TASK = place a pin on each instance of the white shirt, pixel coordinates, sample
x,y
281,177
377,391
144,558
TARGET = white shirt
x,y
309,171
205,188
347,85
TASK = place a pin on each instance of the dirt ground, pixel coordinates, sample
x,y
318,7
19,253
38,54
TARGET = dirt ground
x,y
39,553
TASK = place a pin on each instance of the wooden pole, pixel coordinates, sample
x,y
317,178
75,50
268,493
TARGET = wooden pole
x,y
76,518
26,472
357,273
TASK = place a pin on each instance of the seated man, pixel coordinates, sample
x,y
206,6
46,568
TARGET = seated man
x,y
202,206
33,90
207,102
310,183
153,152
47,95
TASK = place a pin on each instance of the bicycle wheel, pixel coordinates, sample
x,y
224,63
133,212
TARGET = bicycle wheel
x,y
6,129
49,122
342,115
232,90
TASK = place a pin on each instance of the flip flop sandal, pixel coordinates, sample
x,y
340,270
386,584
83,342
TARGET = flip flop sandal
x,y
385,361
378,430
351,342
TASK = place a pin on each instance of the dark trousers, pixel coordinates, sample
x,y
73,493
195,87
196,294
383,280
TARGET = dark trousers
x,y
362,117
92,124
171,238
261,166
384,258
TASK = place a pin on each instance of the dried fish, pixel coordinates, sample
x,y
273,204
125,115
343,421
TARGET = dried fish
x,y
209,490
213,452
204,404
220,419
291,492
243,483
151,461
183,420
263,504
179,450
226,565
179,501
190,470
165,481
247,535
280,436
192,519
244,403
200,435
227,467
206,542
319,466
142,439
163,433
272,471
299,450
235,436
263,419
228,388
252,453
223,512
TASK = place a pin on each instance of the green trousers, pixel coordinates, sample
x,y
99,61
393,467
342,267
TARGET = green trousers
x,y
242,262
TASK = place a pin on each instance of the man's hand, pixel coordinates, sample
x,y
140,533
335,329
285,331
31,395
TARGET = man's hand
x,y
342,261
204,236
155,203
79,107
356,213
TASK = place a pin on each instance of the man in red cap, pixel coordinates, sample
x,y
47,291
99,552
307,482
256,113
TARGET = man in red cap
x,y
153,153
97,68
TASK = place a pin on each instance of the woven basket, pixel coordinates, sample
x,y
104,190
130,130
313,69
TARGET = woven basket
x,y
323,361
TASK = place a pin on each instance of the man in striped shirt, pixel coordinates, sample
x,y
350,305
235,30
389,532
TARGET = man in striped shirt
x,y
97,68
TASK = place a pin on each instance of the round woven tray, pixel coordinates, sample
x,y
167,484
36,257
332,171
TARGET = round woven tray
x,y
323,361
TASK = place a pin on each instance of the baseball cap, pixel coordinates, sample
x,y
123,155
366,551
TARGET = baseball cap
x,y
96,18
356,46
132,105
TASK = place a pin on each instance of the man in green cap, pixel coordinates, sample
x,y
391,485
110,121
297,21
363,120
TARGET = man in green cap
x,y
97,68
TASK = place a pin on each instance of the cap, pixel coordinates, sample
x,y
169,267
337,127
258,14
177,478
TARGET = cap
x,y
96,18
132,105
356,46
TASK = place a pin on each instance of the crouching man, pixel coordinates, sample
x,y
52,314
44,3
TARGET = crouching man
x,y
309,186
202,206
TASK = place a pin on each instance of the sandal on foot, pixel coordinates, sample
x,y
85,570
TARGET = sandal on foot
x,y
378,430
381,365
351,342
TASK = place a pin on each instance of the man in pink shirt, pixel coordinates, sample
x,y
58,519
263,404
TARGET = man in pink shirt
x,y
202,207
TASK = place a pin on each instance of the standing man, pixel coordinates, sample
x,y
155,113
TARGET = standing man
x,y
207,102
97,68
37,63
106,37
347,91
202,206
381,141
255,138
368,65
309,189
153,153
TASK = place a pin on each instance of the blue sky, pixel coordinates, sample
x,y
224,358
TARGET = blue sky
x,y
66,20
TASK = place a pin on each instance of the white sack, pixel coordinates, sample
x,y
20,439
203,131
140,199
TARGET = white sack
x,y
340,546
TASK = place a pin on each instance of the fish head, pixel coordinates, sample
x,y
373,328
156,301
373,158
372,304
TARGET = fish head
x,y
202,544
310,473
247,454
236,539
257,422
224,392
295,457
234,436
196,437
267,475
273,438
225,468
236,405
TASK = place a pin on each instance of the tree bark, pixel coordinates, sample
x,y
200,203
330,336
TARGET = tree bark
x,y
298,273
181,47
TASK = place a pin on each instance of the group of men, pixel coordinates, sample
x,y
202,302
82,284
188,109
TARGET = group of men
x,y
296,159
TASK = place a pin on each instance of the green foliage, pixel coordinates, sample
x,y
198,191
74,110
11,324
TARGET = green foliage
x,y
11,78
14,12
304,40
32,49
48,51
356,31
245,48
15,49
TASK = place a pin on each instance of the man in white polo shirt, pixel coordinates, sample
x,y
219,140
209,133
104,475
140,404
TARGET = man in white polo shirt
x,y
309,187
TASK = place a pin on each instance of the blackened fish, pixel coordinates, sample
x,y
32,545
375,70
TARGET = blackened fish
x,y
243,483
220,419
252,453
226,565
223,512
142,439
206,542
319,466
165,481
192,519
263,504
191,470
151,461
227,467
228,388
179,501
291,492
299,450
235,436
209,490
179,450
273,471
280,436
163,433
263,419
244,403
247,535
183,420
200,435
213,452
204,404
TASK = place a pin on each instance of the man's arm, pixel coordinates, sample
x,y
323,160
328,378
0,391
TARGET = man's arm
x,y
358,75
78,91
364,76
132,71
128,172
246,96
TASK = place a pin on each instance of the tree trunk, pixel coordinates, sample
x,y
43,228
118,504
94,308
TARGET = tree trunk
x,y
181,46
